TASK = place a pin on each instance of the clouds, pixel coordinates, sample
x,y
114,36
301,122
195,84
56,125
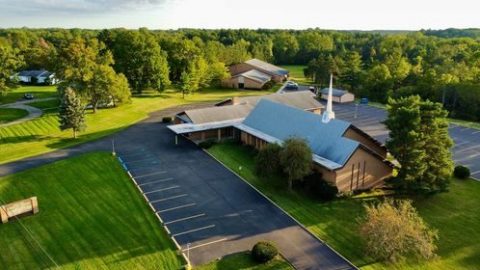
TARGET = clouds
x,y
77,7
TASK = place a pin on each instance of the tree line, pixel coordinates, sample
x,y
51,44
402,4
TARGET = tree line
x,y
440,66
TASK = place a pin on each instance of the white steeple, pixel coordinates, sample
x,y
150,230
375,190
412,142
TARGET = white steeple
x,y
329,114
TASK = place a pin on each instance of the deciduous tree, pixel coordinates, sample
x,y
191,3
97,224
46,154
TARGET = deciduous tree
x,y
295,159
393,230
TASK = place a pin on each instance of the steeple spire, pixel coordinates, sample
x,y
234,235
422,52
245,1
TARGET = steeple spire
x,y
329,114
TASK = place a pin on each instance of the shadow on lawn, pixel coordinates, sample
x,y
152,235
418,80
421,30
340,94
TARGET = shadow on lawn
x,y
22,139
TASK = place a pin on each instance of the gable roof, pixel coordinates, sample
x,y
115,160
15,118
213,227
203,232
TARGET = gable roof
x,y
267,67
217,113
304,100
281,122
34,73
335,92
255,75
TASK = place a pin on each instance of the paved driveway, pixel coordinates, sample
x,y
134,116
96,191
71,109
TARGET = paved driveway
x,y
467,140
199,200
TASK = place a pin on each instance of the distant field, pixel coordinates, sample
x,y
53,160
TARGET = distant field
x,y
43,135
296,73
91,217
243,261
455,214
11,114
38,91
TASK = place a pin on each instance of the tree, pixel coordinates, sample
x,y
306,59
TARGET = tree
x,y
106,86
78,61
72,113
438,157
420,141
285,47
237,52
9,62
378,81
351,71
321,69
187,83
406,142
267,161
139,57
393,230
296,159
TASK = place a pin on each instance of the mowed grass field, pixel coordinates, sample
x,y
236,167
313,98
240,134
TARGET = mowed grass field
x,y
296,73
244,261
91,217
43,134
11,114
16,94
454,214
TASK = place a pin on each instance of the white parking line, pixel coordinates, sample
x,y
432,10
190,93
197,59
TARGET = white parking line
x,y
206,244
176,207
185,218
157,181
169,198
149,174
162,189
194,230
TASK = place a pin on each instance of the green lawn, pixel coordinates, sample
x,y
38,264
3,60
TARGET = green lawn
x,y
296,73
43,135
47,105
16,94
11,114
455,214
243,261
91,217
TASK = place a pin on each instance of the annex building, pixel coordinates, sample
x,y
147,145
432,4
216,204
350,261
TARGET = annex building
x,y
254,74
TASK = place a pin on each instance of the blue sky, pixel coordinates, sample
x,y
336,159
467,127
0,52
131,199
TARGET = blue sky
x,y
293,14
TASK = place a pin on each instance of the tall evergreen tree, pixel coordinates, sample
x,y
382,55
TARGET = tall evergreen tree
x,y
406,142
419,140
438,157
72,112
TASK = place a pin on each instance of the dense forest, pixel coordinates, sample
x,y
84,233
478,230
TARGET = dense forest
x,y
443,66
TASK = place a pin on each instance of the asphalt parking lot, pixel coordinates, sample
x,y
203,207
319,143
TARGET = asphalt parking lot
x,y
207,209
467,140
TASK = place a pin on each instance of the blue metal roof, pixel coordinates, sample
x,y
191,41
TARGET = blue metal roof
x,y
325,139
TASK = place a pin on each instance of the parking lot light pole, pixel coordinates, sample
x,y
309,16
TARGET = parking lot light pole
x,y
113,148
356,111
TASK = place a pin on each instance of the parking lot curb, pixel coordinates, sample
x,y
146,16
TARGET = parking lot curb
x,y
281,209
179,248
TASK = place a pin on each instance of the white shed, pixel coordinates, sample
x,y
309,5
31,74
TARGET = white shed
x,y
338,96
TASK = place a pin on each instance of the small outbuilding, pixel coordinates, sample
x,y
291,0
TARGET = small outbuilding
x,y
338,96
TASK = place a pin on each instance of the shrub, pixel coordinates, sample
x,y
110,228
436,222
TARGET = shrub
x,y
167,119
393,230
207,143
268,85
263,252
461,172
319,188
267,161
